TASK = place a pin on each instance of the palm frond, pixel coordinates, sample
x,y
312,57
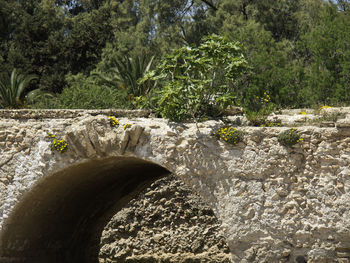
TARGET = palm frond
x,y
12,89
125,72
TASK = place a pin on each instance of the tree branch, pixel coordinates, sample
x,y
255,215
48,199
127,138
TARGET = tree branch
x,y
209,3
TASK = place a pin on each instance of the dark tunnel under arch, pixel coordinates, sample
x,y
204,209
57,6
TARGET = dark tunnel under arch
x,y
60,220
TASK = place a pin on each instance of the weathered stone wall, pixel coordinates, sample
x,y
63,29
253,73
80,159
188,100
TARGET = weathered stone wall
x,y
275,204
194,234
167,222
23,144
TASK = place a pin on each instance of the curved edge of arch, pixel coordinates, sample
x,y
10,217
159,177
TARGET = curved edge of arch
x,y
65,212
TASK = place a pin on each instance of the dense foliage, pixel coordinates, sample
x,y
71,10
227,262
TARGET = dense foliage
x,y
12,89
196,82
92,53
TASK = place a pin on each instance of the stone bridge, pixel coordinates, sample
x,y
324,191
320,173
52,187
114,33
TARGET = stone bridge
x,y
275,203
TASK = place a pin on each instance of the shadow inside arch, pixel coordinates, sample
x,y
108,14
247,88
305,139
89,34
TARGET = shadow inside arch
x,y
61,219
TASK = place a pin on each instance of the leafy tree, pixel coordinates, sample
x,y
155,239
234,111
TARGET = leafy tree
x,y
12,89
33,46
116,73
10,14
76,7
277,16
326,51
85,37
197,81
54,37
343,5
297,50
273,66
50,43
155,27
309,14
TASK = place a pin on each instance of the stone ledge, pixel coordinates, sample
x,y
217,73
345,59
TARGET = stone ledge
x,y
68,113
285,120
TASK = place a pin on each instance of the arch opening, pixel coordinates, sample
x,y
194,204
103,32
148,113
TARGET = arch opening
x,y
166,222
61,219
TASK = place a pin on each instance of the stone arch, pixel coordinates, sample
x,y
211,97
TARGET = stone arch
x,y
94,148
270,199
60,220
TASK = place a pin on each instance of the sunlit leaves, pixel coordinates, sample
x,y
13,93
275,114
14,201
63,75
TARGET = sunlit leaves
x,y
194,80
12,89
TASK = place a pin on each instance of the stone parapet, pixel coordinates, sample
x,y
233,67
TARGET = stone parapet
x,y
68,113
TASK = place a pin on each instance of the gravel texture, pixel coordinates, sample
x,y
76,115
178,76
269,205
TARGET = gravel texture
x,y
167,222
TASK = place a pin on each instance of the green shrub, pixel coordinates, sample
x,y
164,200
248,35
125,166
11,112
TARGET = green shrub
x,y
230,135
82,93
57,144
126,126
289,137
195,82
263,108
113,121
325,117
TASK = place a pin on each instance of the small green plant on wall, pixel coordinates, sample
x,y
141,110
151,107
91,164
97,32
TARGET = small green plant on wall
x,y
230,135
113,121
126,126
264,107
289,137
57,144
271,124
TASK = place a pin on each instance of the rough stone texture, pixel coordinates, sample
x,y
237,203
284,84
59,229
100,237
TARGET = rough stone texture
x,y
275,204
166,223
26,114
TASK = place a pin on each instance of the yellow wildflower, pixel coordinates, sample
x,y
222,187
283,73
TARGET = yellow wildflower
x,y
126,126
